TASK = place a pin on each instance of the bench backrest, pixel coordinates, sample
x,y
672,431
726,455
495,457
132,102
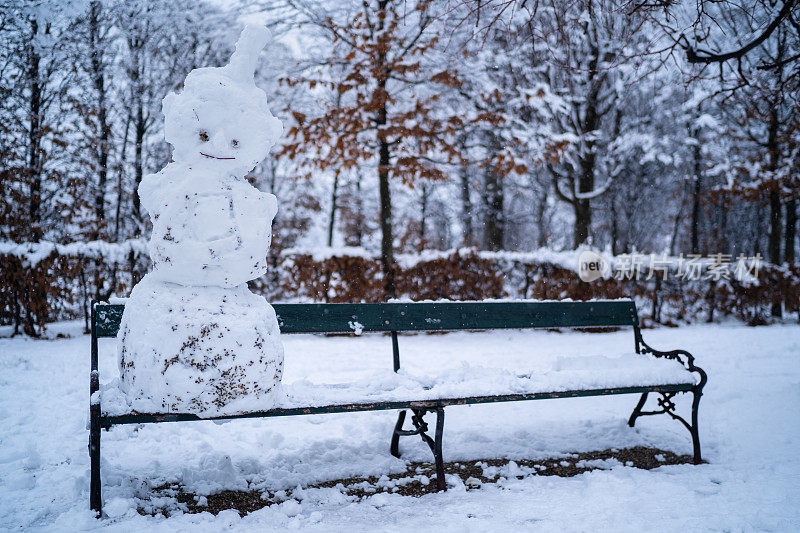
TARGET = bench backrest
x,y
420,316
424,316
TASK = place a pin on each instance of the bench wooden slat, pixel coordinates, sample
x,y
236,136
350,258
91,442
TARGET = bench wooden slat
x,y
425,316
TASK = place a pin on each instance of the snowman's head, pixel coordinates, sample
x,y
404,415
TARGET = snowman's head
x,y
221,120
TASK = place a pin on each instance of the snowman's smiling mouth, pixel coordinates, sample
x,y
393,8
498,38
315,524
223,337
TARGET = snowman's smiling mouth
x,y
215,157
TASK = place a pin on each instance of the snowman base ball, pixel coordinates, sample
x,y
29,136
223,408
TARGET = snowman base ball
x,y
206,350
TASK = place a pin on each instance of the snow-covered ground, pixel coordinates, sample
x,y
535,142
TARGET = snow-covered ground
x,y
750,429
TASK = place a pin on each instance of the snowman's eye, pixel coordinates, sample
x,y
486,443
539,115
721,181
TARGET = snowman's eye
x,y
204,136
235,143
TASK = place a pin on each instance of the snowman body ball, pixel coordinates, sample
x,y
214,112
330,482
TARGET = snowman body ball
x,y
193,337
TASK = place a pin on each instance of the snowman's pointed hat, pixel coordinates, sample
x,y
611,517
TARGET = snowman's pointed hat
x,y
240,69
234,81
242,64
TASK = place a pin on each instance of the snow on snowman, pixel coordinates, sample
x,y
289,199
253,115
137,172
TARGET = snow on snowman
x,y
193,337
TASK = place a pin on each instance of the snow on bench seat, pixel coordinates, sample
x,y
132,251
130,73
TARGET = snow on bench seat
x,y
543,374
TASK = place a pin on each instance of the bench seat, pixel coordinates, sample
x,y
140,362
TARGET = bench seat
x,y
545,376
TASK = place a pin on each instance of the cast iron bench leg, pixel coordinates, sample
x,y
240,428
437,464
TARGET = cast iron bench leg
x,y
398,428
421,428
437,451
698,392
668,407
637,410
95,501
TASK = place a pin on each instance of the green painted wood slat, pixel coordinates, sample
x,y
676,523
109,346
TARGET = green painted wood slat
x,y
425,316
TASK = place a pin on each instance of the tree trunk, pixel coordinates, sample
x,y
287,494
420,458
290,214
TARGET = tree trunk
x,y
582,207
757,227
494,223
676,225
698,189
387,239
359,226
541,223
583,219
138,162
775,240
102,113
774,244
332,216
34,136
468,233
774,247
614,228
722,230
384,160
120,174
135,45
423,217
334,192
791,231
774,227
775,211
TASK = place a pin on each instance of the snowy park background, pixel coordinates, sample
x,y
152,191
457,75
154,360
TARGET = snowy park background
x,y
431,150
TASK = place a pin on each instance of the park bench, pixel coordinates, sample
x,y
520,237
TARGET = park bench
x,y
414,317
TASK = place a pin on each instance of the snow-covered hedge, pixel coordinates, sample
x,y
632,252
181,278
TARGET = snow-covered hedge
x,y
31,253
47,281
353,274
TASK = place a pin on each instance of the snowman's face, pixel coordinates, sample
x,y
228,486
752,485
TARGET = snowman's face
x,y
226,134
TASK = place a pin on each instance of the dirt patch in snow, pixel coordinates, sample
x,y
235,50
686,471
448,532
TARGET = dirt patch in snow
x,y
420,479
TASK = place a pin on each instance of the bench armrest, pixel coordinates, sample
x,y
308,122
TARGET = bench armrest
x,y
682,356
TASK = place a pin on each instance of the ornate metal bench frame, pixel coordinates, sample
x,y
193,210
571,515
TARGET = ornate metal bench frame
x,y
397,317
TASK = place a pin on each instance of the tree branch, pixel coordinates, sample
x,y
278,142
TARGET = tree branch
x,y
704,56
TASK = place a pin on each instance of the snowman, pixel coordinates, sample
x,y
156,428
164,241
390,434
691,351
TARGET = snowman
x,y
193,337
